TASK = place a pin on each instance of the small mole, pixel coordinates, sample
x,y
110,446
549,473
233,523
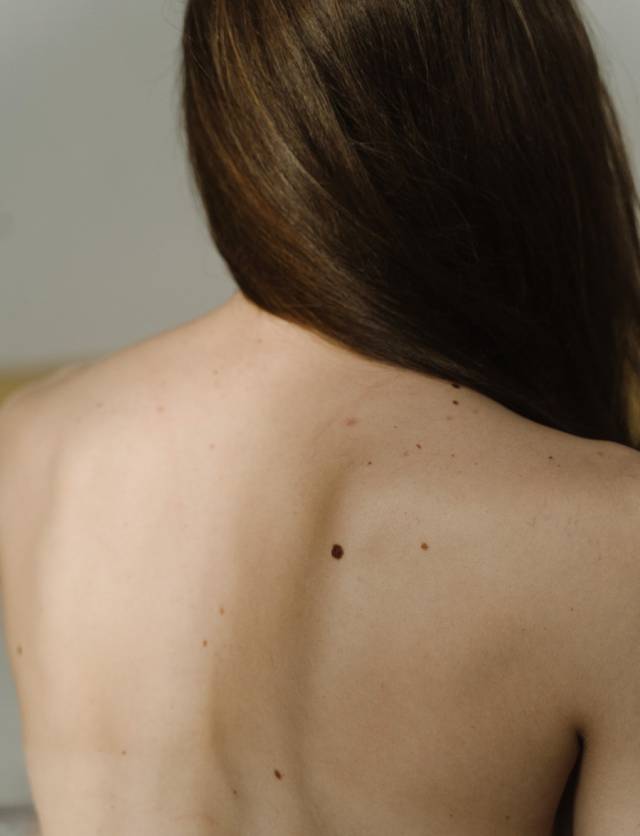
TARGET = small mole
x,y
449,417
351,421
424,546
455,402
453,455
221,610
19,648
205,643
368,463
278,774
456,385
99,404
419,446
506,818
235,792
550,457
600,453
124,751
337,551
395,426
211,446
406,453
159,409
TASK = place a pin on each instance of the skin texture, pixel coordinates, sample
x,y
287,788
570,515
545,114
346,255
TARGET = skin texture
x,y
253,583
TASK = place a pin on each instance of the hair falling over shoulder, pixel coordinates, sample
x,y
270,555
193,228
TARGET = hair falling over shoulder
x,y
441,185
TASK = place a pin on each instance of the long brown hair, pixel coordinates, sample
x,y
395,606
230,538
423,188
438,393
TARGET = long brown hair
x,y
441,185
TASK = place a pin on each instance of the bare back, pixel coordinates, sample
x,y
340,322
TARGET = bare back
x,y
262,596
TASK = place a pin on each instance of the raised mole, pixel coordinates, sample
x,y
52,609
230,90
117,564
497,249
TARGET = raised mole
x,y
278,774
337,551
424,546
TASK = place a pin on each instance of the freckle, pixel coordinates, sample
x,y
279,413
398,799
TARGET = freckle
x,y
424,546
235,792
550,457
475,411
205,643
160,409
419,446
455,402
507,818
449,417
453,455
212,446
368,463
337,551
99,404
456,385
395,426
124,751
278,774
406,453
600,453
19,649
351,421
221,610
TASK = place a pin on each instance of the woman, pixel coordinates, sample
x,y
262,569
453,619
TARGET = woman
x,y
355,552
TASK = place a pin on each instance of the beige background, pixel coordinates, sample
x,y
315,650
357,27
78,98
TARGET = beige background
x,y
101,243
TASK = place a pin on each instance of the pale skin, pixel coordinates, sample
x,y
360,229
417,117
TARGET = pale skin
x,y
253,583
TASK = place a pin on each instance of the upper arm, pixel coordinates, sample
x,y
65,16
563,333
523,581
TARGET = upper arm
x,y
607,799
29,419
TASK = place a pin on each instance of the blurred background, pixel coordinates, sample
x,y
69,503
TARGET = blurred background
x,y
101,240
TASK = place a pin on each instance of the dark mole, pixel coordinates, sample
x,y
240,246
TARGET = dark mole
x,y
550,457
419,446
456,385
424,546
278,775
368,463
455,402
351,421
337,551
19,650
221,610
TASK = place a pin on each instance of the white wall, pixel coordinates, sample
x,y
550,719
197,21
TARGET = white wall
x,y
101,243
